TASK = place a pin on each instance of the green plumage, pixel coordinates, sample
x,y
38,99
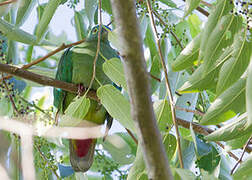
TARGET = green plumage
x,y
76,66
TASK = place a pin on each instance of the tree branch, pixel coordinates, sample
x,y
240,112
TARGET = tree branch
x,y
137,77
7,2
46,81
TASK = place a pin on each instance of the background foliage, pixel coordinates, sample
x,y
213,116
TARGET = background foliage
x,y
209,71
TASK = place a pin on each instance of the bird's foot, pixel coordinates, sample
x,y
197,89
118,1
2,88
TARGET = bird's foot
x,y
81,89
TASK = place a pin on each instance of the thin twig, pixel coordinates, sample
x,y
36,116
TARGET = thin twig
x,y
167,83
240,159
7,2
189,110
172,33
62,47
206,4
46,160
132,135
98,47
10,97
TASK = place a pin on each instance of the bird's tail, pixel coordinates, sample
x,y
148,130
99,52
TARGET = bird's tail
x,y
81,154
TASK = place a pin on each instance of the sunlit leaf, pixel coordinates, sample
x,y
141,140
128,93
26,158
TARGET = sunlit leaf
x,y
113,68
233,98
24,11
116,104
46,18
190,6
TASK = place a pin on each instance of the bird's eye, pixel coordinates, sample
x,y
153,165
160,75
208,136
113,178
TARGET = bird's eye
x,y
95,31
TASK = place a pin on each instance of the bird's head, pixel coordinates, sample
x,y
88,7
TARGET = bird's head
x,y
94,33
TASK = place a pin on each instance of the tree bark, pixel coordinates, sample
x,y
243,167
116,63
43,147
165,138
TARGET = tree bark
x,y
138,83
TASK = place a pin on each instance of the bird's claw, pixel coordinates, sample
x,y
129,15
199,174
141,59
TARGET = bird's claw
x,y
81,89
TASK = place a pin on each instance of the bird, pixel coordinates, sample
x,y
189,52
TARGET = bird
x,y
76,66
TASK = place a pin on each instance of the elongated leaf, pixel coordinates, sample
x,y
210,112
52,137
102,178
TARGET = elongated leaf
x,y
46,18
155,71
116,104
137,171
24,11
119,149
113,39
190,6
233,68
249,94
194,25
232,130
237,143
169,3
170,144
113,68
222,8
244,172
4,9
199,82
218,40
90,8
16,34
185,174
80,26
163,114
106,6
233,98
75,112
189,54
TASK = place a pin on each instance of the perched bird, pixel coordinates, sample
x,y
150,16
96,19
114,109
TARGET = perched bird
x,y
76,66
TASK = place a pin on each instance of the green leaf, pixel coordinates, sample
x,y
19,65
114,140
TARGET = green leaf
x,y
116,105
237,143
194,25
155,71
169,3
244,172
190,6
90,8
113,39
137,171
119,149
4,9
185,174
80,26
233,130
222,8
170,144
163,114
16,34
113,68
46,18
24,11
219,40
249,94
106,6
199,82
232,69
75,112
233,98
188,56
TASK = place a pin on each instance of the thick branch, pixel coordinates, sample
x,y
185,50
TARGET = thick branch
x,y
139,90
43,80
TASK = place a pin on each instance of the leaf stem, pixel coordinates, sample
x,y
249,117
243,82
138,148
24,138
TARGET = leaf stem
x,y
167,83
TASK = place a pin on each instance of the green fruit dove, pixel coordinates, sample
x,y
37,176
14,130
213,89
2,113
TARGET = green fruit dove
x,y
76,66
